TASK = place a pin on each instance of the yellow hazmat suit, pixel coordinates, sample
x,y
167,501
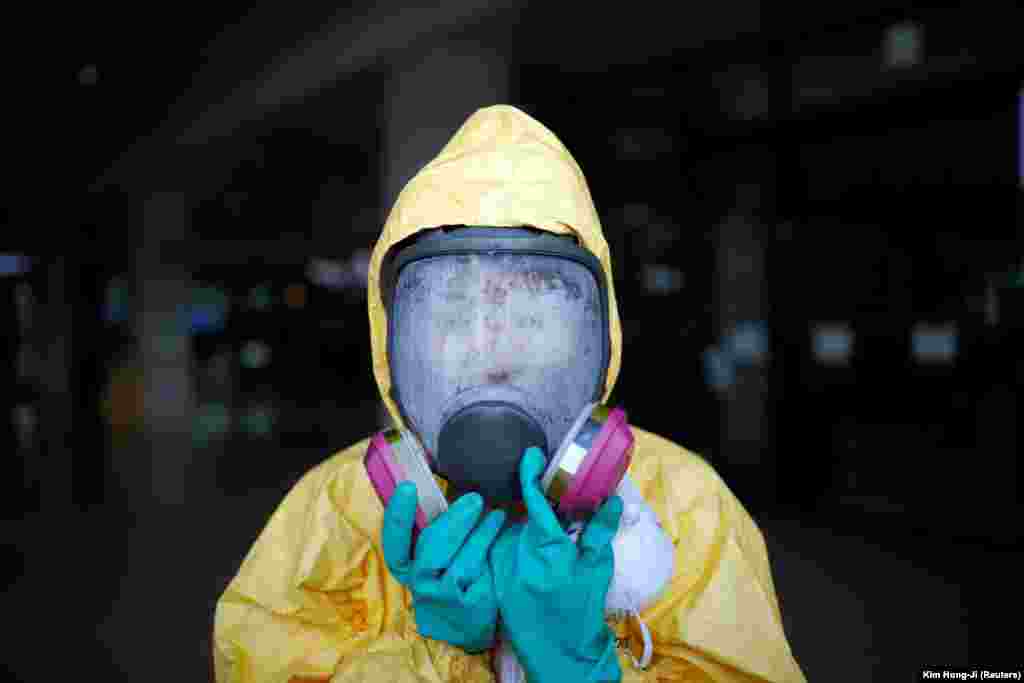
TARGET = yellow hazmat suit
x,y
313,599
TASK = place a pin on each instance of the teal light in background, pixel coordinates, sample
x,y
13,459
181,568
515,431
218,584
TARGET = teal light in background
x,y
173,339
904,45
260,298
118,301
258,421
255,355
212,422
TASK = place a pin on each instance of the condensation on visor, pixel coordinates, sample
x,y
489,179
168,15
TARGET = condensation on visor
x,y
528,322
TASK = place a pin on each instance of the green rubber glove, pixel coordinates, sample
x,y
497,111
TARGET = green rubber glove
x,y
449,578
551,592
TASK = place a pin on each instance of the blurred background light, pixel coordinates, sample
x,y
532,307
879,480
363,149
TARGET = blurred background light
x,y
904,45
212,422
336,275
326,273
747,344
255,355
24,303
25,420
934,343
260,298
991,304
295,296
171,343
833,343
117,303
209,310
661,279
359,265
719,369
14,264
258,420
88,75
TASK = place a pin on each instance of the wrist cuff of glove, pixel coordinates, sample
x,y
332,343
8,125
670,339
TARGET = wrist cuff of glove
x,y
607,669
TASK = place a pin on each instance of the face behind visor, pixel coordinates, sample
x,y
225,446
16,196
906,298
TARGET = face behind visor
x,y
497,339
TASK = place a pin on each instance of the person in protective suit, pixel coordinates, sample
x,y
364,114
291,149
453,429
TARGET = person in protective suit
x,y
495,333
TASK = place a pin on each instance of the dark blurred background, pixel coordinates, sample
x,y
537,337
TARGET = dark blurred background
x,y
815,219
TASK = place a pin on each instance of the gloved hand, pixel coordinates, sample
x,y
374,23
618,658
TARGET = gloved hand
x,y
449,578
551,592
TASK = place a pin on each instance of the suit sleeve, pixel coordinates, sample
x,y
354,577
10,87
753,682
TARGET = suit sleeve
x,y
313,599
297,604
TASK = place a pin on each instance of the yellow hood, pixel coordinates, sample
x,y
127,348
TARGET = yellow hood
x,y
502,168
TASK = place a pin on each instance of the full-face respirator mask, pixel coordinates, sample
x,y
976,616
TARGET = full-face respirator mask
x,y
498,340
